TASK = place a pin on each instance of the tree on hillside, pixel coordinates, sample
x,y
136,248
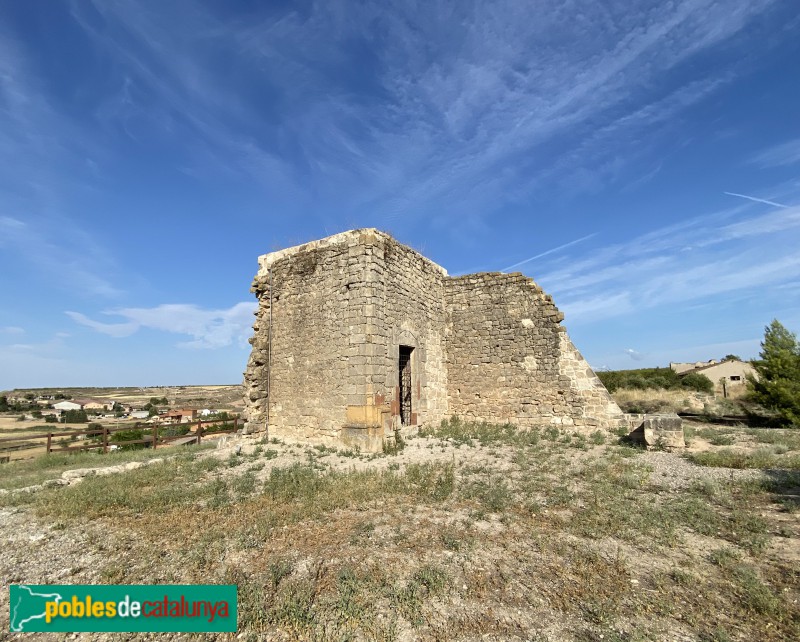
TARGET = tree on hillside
x,y
731,357
778,385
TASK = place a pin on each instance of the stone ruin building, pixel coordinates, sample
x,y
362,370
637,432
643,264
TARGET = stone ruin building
x,y
367,337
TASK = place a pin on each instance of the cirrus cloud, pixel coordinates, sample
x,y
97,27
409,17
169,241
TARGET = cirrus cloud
x,y
207,328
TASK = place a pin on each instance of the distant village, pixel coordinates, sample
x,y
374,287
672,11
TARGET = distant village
x,y
53,408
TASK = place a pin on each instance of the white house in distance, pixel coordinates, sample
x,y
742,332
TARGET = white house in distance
x,y
729,376
67,405
84,404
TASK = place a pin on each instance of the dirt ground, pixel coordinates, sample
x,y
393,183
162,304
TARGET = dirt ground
x,y
469,532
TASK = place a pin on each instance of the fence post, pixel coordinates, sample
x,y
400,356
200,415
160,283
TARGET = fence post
x,y
235,424
49,439
105,439
155,436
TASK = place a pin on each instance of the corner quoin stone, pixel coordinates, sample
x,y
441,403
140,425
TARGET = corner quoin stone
x,y
351,310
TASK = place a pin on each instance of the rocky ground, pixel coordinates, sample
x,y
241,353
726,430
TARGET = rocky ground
x,y
468,532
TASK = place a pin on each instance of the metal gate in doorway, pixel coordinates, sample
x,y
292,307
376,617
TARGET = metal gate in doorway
x,y
405,384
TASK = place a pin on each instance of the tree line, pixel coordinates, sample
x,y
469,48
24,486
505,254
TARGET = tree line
x,y
655,378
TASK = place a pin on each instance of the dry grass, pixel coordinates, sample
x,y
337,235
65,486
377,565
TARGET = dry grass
x,y
29,472
763,458
542,535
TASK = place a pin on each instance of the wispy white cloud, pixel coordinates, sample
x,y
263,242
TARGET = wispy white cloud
x,y
585,307
12,329
634,354
719,254
786,153
44,152
207,328
459,103
37,363
755,199
63,256
117,330
46,157
168,87
548,252
46,348
23,369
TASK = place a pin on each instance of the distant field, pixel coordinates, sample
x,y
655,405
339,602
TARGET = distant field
x,y
10,427
217,397
222,397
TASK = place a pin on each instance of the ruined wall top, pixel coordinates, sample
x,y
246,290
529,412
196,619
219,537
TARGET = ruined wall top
x,y
351,237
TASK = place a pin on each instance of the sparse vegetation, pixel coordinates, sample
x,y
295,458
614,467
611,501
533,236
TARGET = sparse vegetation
x,y
765,458
471,433
654,378
493,532
28,472
124,437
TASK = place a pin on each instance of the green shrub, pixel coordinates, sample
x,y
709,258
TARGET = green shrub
x,y
698,382
598,437
123,436
640,379
175,430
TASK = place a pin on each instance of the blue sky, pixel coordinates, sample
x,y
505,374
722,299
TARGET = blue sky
x,y
640,160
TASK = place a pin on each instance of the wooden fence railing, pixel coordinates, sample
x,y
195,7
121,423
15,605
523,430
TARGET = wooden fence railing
x,y
157,437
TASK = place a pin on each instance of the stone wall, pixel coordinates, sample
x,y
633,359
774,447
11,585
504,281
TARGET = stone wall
x,y
318,297
410,309
341,309
509,359
487,346
597,407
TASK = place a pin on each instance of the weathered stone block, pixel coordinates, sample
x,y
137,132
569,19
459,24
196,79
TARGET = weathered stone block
x,y
661,431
